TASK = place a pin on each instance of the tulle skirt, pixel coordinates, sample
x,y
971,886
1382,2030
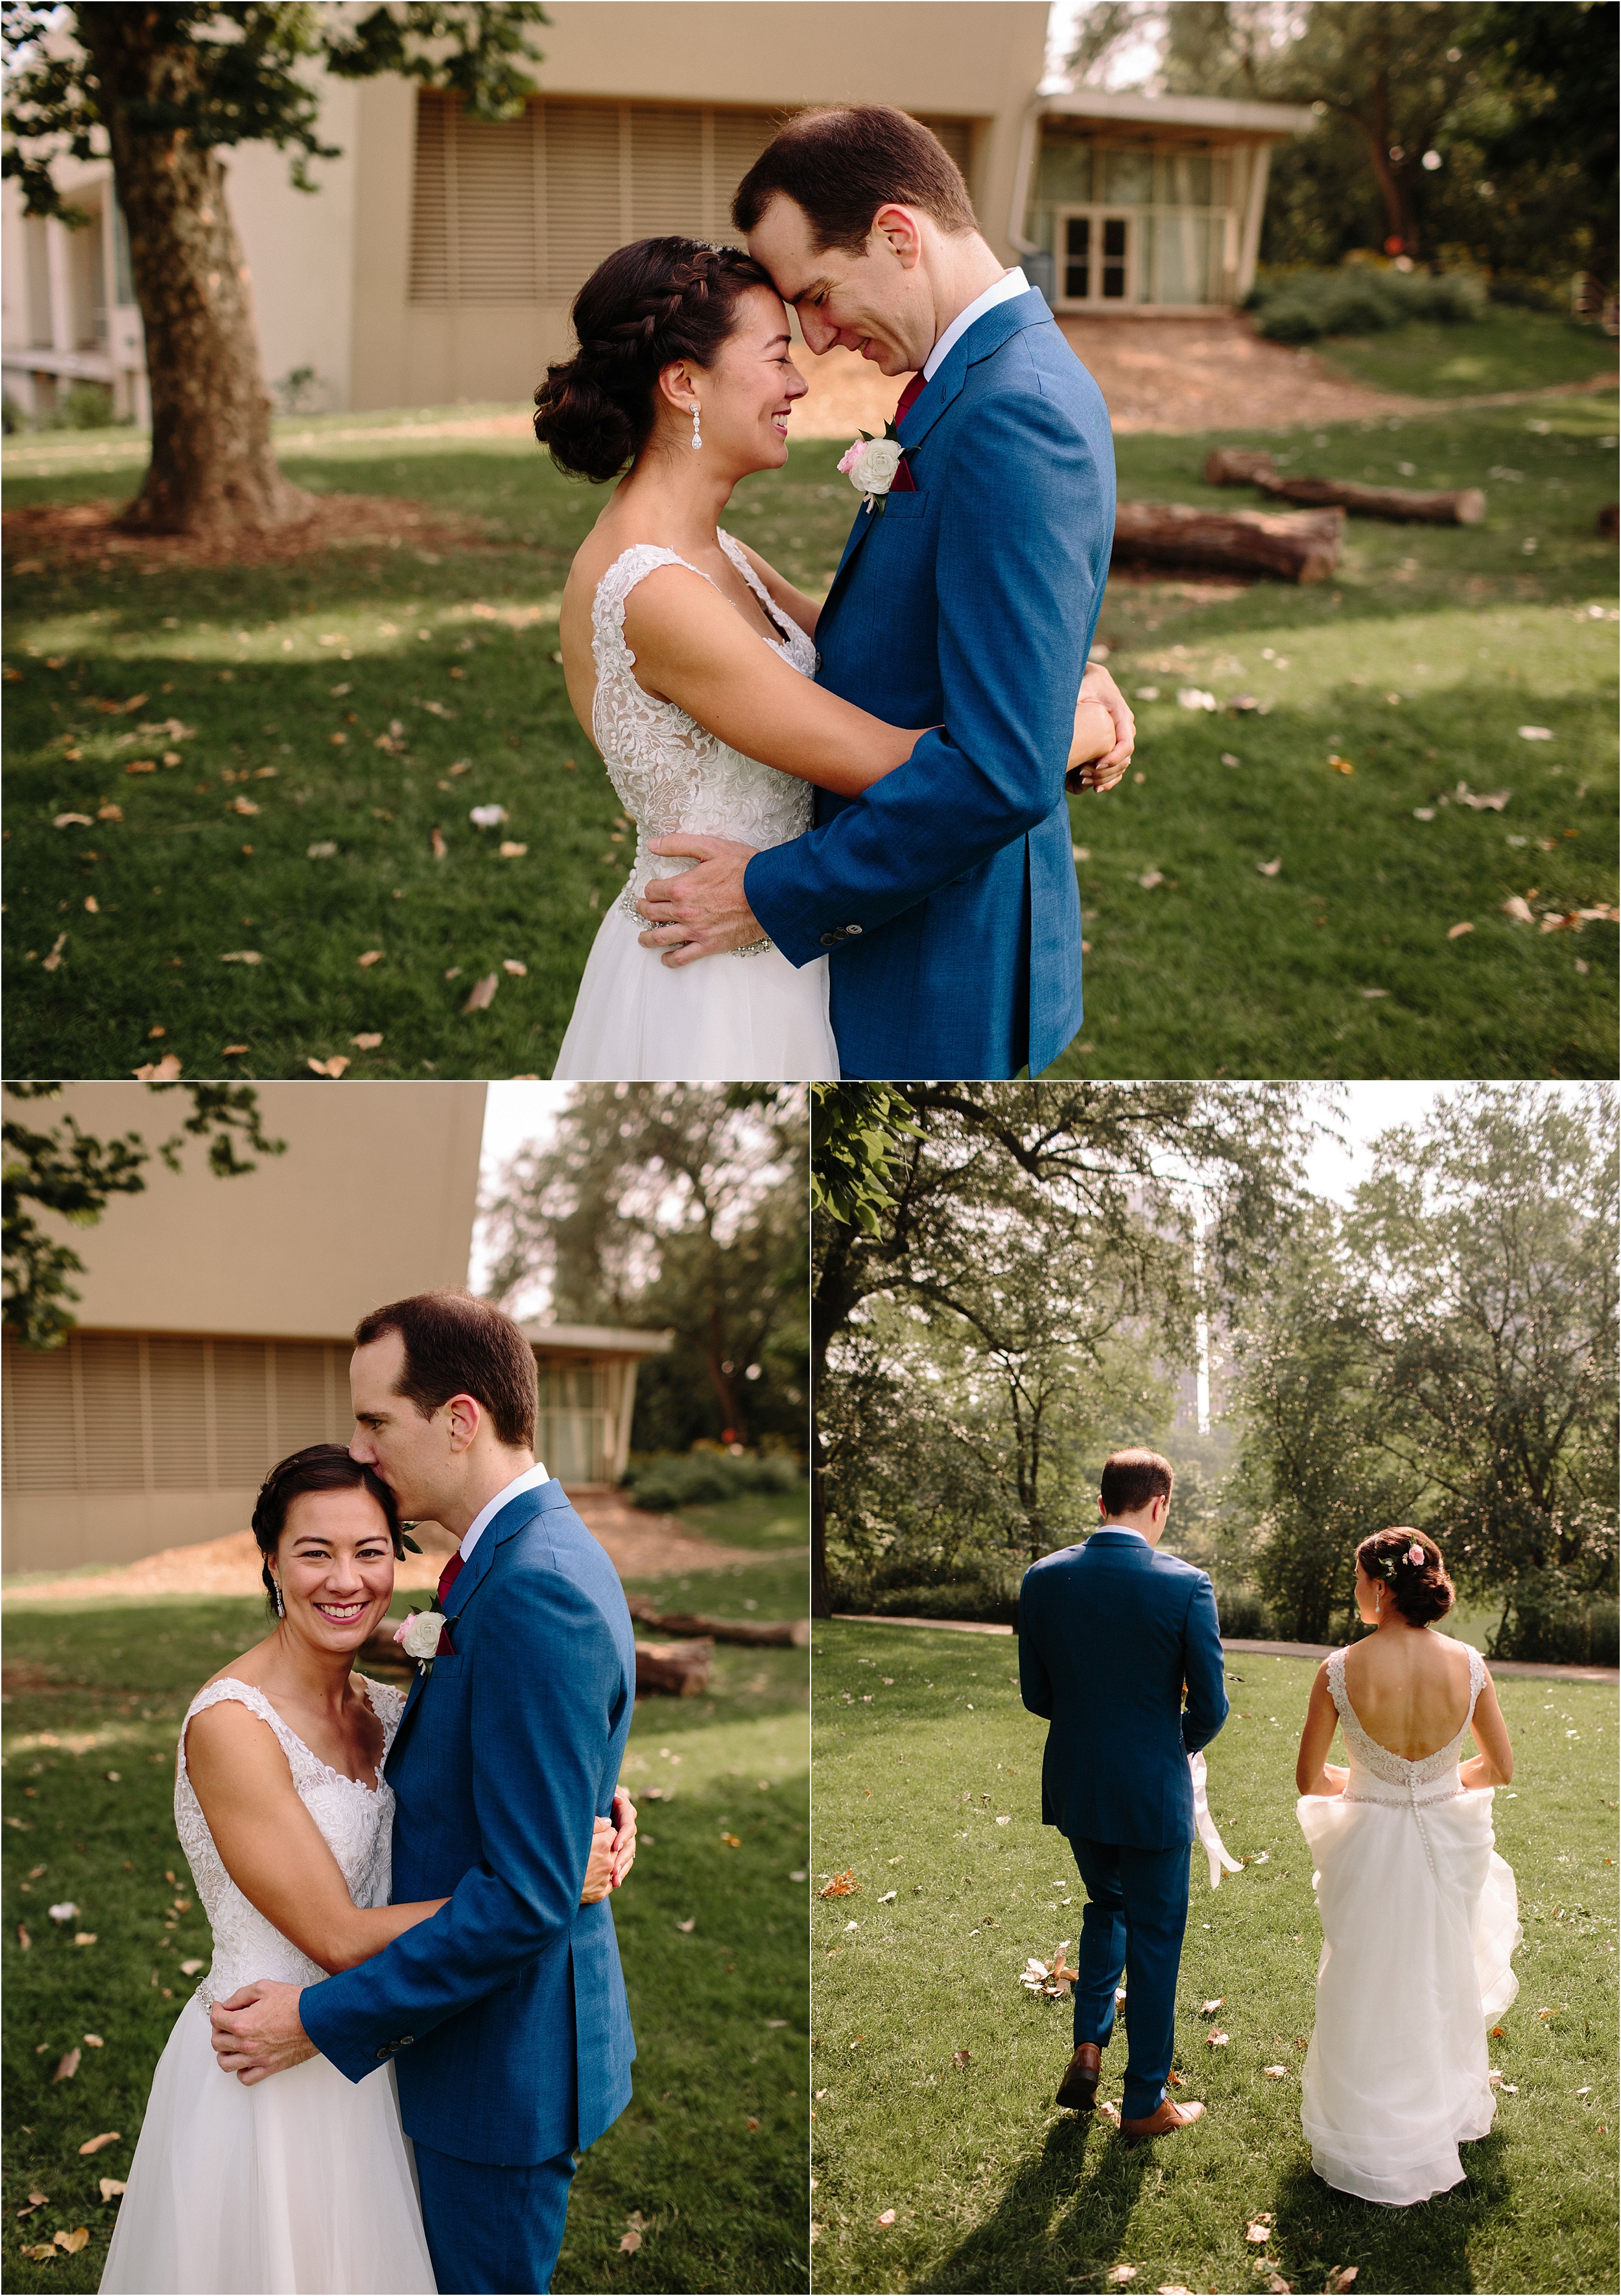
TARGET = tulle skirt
x,y
302,2183
1414,1967
722,1019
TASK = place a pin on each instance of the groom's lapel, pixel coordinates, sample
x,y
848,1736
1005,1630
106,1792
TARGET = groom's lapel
x,y
506,1525
986,336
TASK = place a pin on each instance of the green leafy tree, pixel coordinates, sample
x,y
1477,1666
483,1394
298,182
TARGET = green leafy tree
x,y
165,90
680,1206
1552,64
68,1172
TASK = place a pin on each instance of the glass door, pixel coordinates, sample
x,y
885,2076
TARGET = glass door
x,y
1097,259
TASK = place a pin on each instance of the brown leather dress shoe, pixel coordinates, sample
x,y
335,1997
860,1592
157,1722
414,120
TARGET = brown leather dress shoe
x,y
1078,2089
1161,2123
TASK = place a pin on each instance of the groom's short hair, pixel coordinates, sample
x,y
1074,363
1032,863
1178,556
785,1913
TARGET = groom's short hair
x,y
840,163
1133,1480
457,1345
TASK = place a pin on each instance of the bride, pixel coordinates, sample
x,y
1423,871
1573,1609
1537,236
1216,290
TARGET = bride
x,y
303,2182
1419,1912
691,662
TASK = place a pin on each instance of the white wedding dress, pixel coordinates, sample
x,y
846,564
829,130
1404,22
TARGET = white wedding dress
x,y
744,1015
304,2181
1420,1916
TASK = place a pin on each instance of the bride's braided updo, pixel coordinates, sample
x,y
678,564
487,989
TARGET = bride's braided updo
x,y
650,304
1411,1564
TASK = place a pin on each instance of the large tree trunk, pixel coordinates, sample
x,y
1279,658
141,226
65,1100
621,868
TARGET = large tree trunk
x,y
213,473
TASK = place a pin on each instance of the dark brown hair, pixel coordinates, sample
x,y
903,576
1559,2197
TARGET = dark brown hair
x,y
1132,1478
650,304
457,1345
1420,1591
840,163
318,1467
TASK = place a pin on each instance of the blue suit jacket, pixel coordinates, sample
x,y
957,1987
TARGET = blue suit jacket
x,y
1107,1635
948,892
506,2012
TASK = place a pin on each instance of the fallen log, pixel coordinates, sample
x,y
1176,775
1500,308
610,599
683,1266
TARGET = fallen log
x,y
1234,466
1291,547
681,1669
791,1633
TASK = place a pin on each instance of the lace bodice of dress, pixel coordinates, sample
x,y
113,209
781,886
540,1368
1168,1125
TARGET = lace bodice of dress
x,y
668,771
1377,1774
356,1822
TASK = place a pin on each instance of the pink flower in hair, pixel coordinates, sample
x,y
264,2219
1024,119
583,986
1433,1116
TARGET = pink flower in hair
x,y
1416,1554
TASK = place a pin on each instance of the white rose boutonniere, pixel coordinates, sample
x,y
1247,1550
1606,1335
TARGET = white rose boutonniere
x,y
870,464
422,1635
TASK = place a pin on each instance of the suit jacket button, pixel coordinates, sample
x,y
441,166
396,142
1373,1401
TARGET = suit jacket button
x,y
830,939
852,929
383,2054
405,2040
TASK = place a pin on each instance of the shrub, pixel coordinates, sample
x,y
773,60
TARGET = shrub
x,y
1243,1616
678,1478
987,1598
1561,1633
1297,306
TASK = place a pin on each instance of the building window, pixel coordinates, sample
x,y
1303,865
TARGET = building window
x,y
1131,225
524,212
574,1436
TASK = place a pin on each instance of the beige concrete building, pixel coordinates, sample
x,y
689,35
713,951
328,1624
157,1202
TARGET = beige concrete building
x,y
213,1331
438,260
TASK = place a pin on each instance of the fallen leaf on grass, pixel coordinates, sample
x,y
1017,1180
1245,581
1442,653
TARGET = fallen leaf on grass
x,y
482,995
1587,2091
1119,2275
1520,911
369,956
1376,992
94,2041
1456,932
1274,2072
686,1928
1210,2008
190,1968
72,821
368,1042
35,2200
228,1049
23,1939
1340,765
1110,2112
241,956
1215,2040
1343,2276
44,2251
142,766
111,2186
50,963
1151,878
1194,697
1276,2286
163,1071
85,1937
511,964
67,2067
1270,868
629,2243
439,847
887,2217
1535,733
66,1912
1485,802
487,817
243,805
888,1897
95,2143
1556,920
510,852
333,1067
842,1885
322,851
732,1841
960,2058
1259,2230
1229,759
1423,813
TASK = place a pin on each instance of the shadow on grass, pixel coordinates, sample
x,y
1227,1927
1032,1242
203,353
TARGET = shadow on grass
x,y
1020,2247
1424,2248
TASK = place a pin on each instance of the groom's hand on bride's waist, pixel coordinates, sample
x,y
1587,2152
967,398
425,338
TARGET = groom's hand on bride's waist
x,y
704,911
258,2032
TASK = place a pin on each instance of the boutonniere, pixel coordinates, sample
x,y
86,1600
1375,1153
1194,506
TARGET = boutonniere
x,y
870,463
424,1635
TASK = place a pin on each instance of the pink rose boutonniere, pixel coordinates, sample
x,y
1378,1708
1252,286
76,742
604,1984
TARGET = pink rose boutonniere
x,y
870,464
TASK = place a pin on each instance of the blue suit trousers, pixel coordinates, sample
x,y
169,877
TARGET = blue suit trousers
x,y
1136,1912
490,2227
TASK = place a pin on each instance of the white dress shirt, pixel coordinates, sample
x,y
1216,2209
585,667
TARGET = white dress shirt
x,y
531,1480
1010,283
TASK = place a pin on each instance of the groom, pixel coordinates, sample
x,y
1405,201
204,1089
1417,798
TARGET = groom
x,y
506,2015
966,602
1111,1634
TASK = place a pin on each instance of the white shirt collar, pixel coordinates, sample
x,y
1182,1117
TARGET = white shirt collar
x,y
1124,1529
1010,283
531,1480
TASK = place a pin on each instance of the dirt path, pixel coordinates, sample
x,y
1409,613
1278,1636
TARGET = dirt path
x,y
639,1546
1313,1651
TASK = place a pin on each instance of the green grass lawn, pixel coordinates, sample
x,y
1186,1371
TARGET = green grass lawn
x,y
994,2188
711,2155
286,677
1504,349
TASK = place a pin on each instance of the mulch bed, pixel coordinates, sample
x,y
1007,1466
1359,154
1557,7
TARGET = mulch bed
x,y
85,534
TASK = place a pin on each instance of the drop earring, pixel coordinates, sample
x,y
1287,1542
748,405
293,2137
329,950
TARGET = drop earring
x,y
281,1607
697,434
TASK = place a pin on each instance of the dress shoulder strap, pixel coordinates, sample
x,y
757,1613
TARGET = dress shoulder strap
x,y
388,1703
228,1689
1477,1679
1336,1685
629,567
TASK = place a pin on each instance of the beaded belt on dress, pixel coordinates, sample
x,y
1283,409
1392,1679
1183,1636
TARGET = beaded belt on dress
x,y
627,902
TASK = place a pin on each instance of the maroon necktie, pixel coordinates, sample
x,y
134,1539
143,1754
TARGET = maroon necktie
x,y
448,1575
902,482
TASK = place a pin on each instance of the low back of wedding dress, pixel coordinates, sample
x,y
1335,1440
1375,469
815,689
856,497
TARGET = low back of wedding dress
x,y
1420,1917
302,2182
